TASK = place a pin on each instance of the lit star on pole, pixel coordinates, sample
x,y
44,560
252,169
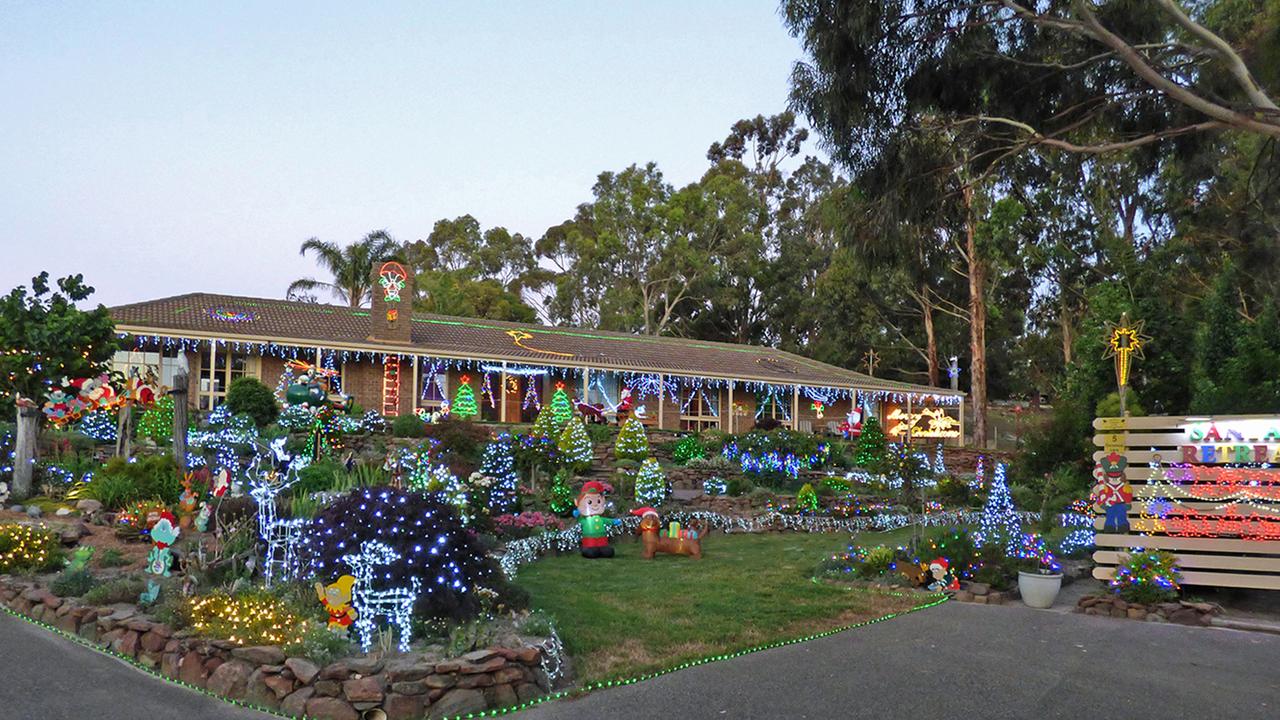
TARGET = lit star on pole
x,y
1125,343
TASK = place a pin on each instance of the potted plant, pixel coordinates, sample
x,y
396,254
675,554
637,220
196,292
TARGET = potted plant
x,y
1040,577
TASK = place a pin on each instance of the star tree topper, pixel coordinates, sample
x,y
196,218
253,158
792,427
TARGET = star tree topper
x,y
1124,343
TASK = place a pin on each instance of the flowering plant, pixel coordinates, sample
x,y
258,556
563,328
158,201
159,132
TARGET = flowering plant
x,y
526,524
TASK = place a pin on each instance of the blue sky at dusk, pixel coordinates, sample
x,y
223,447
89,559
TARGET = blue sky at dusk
x,y
166,148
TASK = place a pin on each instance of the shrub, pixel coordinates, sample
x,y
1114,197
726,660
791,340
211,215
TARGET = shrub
x,y
1149,576
740,485
249,396
319,645
715,485
575,445
124,588
599,433
632,443
458,443
112,557
73,583
28,549
526,524
122,482
807,499
424,530
408,426
254,618
687,448
317,477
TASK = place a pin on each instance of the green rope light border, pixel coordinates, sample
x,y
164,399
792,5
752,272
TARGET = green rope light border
x,y
496,712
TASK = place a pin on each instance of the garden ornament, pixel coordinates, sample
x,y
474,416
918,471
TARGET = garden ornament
x,y
674,540
336,599
942,579
163,534
590,513
1113,493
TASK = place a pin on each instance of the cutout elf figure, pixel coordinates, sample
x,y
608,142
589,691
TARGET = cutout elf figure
x,y
1113,493
590,513
336,599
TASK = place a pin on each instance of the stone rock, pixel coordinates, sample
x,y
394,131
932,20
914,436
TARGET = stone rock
x,y
152,642
403,707
978,588
34,511
448,667
68,623
328,688
529,655
336,671
191,669
980,599
441,681
527,691
259,654
475,680
488,666
1120,603
964,596
504,696
1089,601
365,689
1156,617
296,704
88,506
364,666
126,644
279,685
17,508
1137,613
458,701
1092,611
410,687
169,665
330,708
1119,613
1184,616
257,692
996,598
478,656
162,630
230,679
303,669
406,671
509,675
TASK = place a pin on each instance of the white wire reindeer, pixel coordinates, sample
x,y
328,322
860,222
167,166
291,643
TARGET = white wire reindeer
x,y
395,604
280,535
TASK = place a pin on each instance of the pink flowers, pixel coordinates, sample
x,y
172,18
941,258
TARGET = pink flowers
x,y
527,523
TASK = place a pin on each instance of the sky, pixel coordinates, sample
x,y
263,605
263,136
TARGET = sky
x,y
163,148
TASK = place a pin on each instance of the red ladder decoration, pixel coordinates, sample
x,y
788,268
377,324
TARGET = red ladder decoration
x,y
391,386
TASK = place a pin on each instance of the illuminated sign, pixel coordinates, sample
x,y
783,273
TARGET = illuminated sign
x,y
926,423
1244,441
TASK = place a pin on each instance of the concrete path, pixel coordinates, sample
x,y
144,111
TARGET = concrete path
x,y
44,676
969,661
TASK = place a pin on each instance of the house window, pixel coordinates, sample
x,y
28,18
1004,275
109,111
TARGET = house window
x,y
164,365
434,389
218,369
699,408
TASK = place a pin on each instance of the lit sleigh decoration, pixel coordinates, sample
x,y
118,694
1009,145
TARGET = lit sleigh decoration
x,y
394,604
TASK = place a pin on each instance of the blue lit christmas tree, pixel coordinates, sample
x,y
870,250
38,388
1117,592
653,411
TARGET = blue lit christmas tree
x,y
999,523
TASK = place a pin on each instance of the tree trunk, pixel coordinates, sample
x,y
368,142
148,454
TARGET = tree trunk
x,y
180,410
977,325
930,339
1068,339
124,431
24,456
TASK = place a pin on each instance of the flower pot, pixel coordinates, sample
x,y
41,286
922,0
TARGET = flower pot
x,y
1039,590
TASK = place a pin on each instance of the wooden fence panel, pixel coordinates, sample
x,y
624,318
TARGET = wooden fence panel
x,y
1213,500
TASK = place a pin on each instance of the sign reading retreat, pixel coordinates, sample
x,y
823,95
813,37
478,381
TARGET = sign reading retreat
x,y
1242,441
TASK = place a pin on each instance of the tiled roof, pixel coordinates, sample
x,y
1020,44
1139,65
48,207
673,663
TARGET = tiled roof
x,y
205,315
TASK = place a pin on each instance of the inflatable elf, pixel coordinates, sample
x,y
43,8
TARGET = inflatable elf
x,y
590,513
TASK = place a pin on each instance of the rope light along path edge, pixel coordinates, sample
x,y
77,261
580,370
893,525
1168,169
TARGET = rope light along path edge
x,y
496,712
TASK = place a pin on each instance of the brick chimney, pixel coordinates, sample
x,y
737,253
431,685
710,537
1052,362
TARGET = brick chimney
x,y
392,314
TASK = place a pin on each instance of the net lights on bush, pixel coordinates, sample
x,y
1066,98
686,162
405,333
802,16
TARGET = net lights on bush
x,y
651,483
498,463
575,444
772,461
99,425
999,522
254,619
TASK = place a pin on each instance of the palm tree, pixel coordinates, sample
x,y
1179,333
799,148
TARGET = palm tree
x,y
351,266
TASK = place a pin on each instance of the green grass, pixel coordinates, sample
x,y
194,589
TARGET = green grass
x,y
626,616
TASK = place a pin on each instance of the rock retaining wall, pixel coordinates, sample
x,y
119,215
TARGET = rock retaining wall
x,y
1181,612
404,687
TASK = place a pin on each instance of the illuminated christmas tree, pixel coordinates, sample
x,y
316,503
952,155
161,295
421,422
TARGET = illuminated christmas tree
x,y
575,445
157,422
499,463
561,408
543,424
807,499
999,523
561,493
871,444
632,442
651,483
464,401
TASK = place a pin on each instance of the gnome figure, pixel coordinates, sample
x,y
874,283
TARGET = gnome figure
x,y
590,513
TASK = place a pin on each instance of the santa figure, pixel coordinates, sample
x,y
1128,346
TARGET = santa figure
x,y
1113,493
851,428
590,513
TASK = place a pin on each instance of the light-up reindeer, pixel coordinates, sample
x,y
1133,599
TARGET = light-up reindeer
x,y
394,604
280,535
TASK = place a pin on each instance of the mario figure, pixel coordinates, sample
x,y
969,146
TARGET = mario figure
x,y
590,513
1113,493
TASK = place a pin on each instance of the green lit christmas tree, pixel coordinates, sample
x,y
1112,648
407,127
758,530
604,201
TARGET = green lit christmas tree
x,y
543,424
561,408
157,422
871,444
575,445
807,499
464,401
561,493
632,442
651,483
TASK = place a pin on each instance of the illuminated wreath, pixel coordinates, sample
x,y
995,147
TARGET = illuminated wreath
x,y
225,314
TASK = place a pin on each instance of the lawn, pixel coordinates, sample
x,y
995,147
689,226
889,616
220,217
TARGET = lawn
x,y
627,616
